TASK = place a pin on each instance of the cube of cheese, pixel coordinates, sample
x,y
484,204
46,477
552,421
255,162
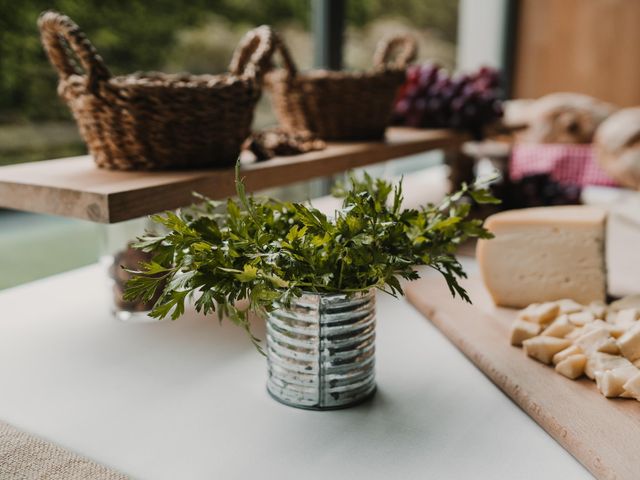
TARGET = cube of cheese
x,y
521,330
544,348
567,352
597,340
629,343
540,313
544,254
630,301
569,306
578,332
573,366
611,382
632,386
601,362
560,327
614,330
580,319
599,309
626,316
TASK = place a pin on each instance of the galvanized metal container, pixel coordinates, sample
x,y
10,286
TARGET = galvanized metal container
x,y
321,351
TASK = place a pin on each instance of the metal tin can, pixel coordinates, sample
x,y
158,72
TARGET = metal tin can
x,y
321,350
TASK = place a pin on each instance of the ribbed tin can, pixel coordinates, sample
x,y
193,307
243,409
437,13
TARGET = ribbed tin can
x,y
321,350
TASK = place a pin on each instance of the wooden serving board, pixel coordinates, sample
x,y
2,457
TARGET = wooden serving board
x,y
604,435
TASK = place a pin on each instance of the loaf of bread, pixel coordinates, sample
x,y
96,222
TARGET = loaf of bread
x,y
565,118
617,146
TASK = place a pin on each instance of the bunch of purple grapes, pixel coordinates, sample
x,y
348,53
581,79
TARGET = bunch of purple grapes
x,y
431,98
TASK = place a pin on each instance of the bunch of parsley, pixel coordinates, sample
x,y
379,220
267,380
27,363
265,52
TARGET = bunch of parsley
x,y
266,252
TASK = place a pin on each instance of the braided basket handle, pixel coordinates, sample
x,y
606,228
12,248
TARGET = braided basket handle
x,y
62,40
252,57
287,60
406,47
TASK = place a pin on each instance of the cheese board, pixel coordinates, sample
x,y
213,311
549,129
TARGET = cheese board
x,y
601,433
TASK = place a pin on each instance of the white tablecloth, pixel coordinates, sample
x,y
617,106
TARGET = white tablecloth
x,y
187,399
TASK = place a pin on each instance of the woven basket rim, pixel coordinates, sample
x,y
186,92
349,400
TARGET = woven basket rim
x,y
334,75
156,80
320,76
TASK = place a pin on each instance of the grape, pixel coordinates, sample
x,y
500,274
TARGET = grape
x,y
432,98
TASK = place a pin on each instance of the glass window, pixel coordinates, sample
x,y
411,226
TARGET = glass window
x,y
197,36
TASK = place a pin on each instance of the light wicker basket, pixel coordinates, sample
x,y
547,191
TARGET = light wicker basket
x,y
341,105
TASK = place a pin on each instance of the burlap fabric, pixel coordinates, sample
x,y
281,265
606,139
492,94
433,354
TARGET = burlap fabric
x,y
26,457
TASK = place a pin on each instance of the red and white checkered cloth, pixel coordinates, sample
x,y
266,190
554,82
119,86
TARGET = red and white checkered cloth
x,y
566,164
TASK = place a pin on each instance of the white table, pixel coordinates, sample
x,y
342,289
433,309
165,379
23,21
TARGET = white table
x,y
187,399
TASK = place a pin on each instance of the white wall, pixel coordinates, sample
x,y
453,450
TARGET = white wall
x,y
481,30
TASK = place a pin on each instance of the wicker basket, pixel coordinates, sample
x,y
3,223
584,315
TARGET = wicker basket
x,y
146,121
341,105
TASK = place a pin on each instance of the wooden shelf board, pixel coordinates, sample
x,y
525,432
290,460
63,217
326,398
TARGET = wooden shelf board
x,y
74,187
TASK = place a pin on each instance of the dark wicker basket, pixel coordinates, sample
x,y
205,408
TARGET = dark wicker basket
x,y
146,121
340,105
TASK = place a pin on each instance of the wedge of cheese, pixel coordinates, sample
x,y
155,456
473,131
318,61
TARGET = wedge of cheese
x,y
545,254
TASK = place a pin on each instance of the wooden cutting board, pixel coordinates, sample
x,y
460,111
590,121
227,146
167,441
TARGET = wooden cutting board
x,y
604,435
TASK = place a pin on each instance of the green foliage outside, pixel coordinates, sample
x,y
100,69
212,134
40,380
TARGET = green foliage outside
x,y
142,35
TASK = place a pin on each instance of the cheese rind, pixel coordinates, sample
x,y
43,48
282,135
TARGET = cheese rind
x,y
544,254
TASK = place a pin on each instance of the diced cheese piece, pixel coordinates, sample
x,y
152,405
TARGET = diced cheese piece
x,y
544,348
569,306
632,386
614,330
597,340
543,313
580,319
544,254
521,330
578,332
599,309
626,316
573,366
611,382
601,362
560,327
567,352
630,342
630,301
